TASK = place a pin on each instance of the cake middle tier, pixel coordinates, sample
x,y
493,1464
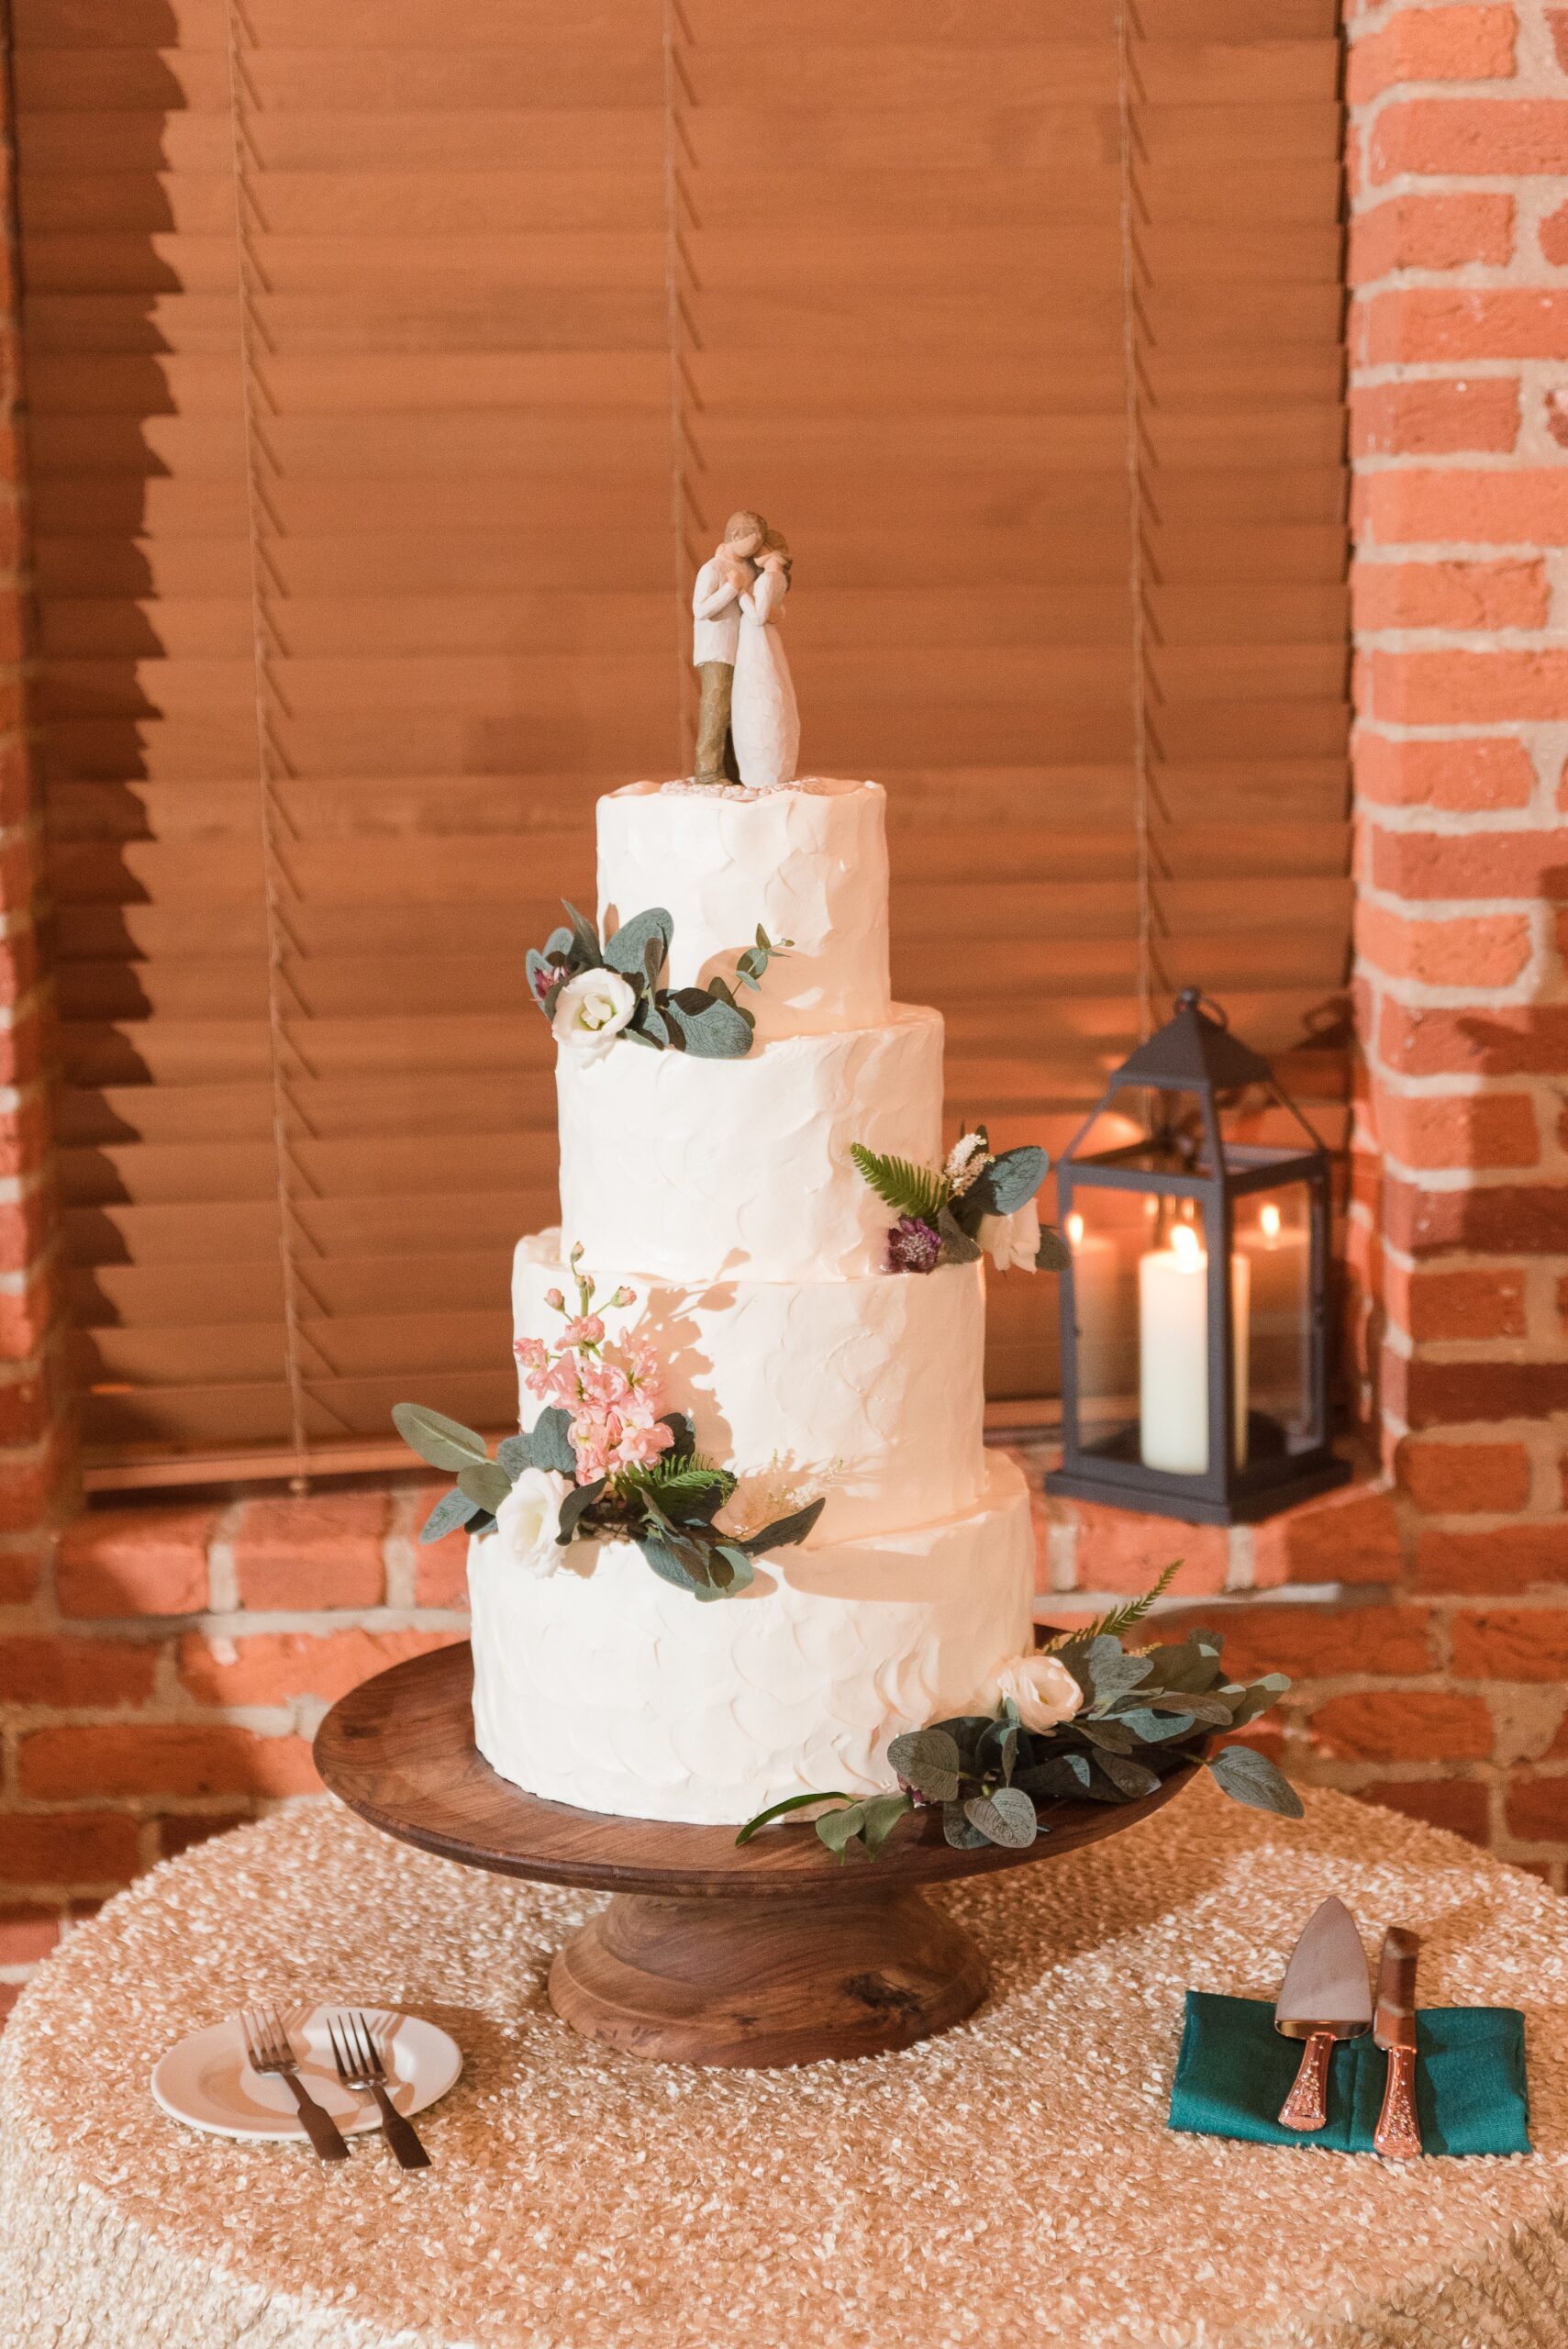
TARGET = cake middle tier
x,y
869,1392
703,1169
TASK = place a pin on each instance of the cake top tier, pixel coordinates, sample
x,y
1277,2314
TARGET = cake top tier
x,y
808,863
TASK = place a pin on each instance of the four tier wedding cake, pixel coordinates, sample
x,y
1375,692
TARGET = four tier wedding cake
x,y
719,1196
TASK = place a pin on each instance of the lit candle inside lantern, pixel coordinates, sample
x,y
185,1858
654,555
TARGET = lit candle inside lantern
x,y
1280,1255
1172,1363
1102,1316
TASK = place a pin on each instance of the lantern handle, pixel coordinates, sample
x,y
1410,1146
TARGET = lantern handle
x,y
1194,999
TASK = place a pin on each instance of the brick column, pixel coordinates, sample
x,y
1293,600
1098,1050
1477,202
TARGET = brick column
x,y
1459,336
36,1886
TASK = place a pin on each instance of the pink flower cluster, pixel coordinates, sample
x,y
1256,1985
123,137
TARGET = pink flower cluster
x,y
609,1386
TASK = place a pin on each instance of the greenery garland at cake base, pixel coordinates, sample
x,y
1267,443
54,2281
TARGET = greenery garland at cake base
x,y
1139,1713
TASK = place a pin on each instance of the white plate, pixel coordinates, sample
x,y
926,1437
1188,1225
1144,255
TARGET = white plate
x,y
206,2081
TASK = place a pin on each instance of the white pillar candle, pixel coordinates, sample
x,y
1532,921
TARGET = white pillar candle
x,y
1172,1358
1279,1254
1102,1307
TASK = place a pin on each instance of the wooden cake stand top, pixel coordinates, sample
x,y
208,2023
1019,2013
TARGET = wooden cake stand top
x,y
399,1750
772,1953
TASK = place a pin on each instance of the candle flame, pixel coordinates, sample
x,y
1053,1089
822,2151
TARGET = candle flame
x,y
1074,1229
1269,1219
1186,1247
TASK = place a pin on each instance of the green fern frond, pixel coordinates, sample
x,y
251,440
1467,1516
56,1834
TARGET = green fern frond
x,y
1119,1620
908,1189
674,1479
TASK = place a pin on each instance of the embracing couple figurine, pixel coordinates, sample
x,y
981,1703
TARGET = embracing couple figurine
x,y
749,728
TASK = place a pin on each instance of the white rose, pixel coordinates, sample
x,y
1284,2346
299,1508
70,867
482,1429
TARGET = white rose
x,y
1043,1688
530,1518
592,1009
1013,1240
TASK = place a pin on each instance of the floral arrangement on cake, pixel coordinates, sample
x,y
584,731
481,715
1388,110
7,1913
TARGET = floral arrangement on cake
x,y
980,1200
1088,1718
592,990
603,1462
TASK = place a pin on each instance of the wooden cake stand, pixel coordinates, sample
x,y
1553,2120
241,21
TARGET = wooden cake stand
x,y
776,1953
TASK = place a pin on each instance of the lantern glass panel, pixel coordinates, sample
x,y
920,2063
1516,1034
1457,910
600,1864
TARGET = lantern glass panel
x,y
1107,1232
1273,1231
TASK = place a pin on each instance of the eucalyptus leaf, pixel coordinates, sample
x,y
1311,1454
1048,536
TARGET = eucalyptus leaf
x,y
839,1828
550,1441
628,950
666,1563
1250,1777
1193,1667
445,1444
739,1572
1052,1255
559,942
514,1454
1009,1182
485,1483
879,1816
1062,1776
928,1760
1213,1711
1005,1817
1129,1778
1112,1671
1257,1700
581,1497
1107,1736
785,1531
650,1026
958,1248
453,1508
1153,1729
584,938
705,1026
543,975
960,1834
790,1802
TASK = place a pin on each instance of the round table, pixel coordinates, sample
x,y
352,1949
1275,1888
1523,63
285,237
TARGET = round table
x,y
1010,2181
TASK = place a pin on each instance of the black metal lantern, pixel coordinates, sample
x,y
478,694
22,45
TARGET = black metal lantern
x,y
1194,1312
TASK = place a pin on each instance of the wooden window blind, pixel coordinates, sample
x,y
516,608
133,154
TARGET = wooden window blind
x,y
390,370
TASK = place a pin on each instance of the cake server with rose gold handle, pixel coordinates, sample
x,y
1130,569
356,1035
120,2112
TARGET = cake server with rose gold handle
x,y
1398,2134
1324,1997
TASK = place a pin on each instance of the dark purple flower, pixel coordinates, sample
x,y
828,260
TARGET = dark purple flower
x,y
913,1245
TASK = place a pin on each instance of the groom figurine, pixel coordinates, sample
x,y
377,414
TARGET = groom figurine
x,y
715,635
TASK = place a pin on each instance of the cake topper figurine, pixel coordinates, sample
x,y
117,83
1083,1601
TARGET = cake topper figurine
x,y
748,728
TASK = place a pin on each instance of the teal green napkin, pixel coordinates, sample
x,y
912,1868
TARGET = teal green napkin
x,y
1234,2072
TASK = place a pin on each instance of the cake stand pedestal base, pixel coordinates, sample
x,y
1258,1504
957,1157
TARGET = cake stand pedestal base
x,y
752,1982
772,1951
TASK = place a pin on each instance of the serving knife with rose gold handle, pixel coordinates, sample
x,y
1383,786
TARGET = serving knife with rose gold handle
x,y
1398,2136
1324,1997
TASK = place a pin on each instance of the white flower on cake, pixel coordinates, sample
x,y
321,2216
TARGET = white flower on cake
x,y
1043,1688
592,1009
1013,1240
528,1522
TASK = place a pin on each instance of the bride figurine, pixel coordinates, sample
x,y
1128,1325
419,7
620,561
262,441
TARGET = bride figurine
x,y
764,722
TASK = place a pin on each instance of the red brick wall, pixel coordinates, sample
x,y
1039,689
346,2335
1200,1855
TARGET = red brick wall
x,y
1459,336
160,1675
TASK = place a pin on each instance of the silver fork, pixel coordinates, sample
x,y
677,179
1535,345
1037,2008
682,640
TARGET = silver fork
x,y
267,2046
359,2066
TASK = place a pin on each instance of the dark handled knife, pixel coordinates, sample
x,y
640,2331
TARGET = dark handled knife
x,y
1324,1998
1398,2134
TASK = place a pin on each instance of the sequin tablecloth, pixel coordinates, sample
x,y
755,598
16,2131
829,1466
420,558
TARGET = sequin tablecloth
x,y
1009,2183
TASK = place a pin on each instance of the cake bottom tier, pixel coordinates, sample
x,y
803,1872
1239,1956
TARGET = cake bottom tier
x,y
603,1686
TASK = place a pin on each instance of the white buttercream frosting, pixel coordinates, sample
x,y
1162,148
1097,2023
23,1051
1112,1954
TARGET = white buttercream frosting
x,y
868,1391
808,862
603,1686
698,1170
